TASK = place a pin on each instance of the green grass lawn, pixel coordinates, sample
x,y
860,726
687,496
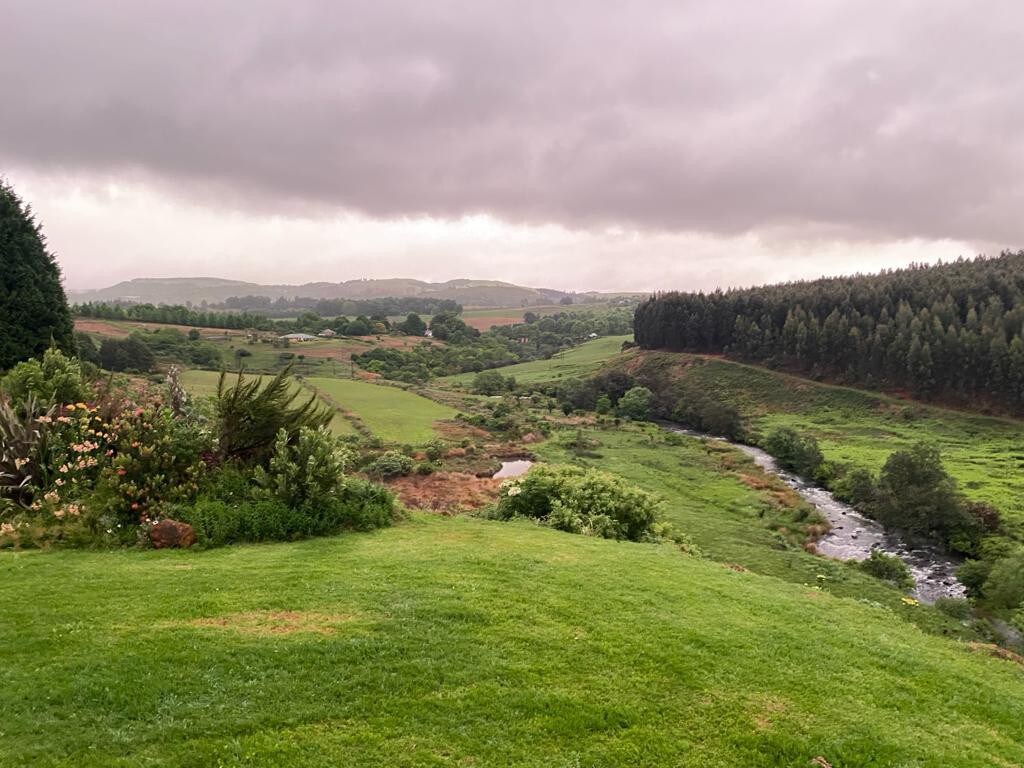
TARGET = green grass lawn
x,y
391,413
462,642
578,361
984,454
204,384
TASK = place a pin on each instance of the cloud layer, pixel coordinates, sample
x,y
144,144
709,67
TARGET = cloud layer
x,y
864,121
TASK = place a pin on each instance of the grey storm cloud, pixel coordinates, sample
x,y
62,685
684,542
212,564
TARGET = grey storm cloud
x,y
886,119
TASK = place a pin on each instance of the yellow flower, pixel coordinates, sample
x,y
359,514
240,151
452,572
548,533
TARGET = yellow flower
x,y
909,601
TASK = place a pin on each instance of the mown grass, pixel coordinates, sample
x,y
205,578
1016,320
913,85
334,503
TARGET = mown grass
x,y
576,362
471,643
984,454
731,521
391,413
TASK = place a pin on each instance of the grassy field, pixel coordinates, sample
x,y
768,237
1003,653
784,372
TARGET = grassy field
x,y
461,642
578,361
986,455
204,384
391,413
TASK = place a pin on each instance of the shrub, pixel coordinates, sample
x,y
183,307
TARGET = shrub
x,y
955,607
435,449
156,458
707,415
308,469
887,568
795,452
972,574
55,379
492,383
357,505
858,488
917,495
1004,587
129,354
24,435
390,464
251,413
636,404
581,501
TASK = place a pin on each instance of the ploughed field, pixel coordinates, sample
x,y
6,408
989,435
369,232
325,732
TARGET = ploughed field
x,y
458,641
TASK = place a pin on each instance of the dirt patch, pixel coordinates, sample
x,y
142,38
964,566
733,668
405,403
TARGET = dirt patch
x,y
447,492
765,709
454,430
997,651
265,623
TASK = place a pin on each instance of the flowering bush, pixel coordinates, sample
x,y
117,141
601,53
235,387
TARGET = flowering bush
x,y
154,459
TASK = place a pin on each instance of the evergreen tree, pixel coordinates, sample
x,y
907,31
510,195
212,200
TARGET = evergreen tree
x,y
34,311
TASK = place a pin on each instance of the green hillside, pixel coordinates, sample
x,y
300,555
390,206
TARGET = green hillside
x,y
578,361
985,454
464,642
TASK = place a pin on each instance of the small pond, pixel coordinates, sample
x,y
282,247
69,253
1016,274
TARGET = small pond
x,y
513,468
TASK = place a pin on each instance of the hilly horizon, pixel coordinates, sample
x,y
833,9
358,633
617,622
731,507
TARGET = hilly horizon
x,y
195,290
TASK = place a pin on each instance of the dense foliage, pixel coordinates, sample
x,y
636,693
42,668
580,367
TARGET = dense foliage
x,y
952,330
54,379
34,311
102,462
583,501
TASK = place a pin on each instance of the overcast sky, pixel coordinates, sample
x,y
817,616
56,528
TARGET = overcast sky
x,y
583,145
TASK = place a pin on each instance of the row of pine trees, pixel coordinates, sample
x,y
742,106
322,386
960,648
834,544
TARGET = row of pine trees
x,y
952,330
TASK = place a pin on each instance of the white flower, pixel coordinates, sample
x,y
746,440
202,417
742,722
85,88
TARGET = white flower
x,y
515,490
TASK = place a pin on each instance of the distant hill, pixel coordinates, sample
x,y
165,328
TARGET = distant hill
x,y
195,290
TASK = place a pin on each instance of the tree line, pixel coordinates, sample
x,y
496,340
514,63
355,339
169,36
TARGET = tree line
x,y
951,330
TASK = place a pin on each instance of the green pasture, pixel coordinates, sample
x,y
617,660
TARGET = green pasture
x,y
576,362
391,413
462,642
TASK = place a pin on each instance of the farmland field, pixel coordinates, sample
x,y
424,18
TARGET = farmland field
x,y
456,641
578,361
391,413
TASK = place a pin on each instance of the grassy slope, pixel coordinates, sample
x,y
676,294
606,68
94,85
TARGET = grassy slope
x,y
729,520
464,642
391,413
985,454
578,361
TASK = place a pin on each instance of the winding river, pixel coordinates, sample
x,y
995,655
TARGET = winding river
x,y
853,536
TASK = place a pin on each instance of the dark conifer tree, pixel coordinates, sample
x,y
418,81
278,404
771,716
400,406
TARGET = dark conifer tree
x,y
33,308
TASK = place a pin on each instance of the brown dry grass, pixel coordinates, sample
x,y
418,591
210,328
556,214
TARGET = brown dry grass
x,y
266,623
447,492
